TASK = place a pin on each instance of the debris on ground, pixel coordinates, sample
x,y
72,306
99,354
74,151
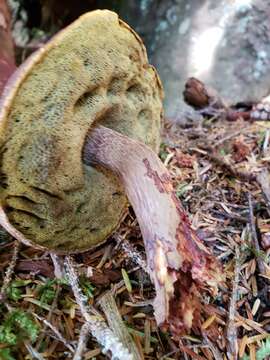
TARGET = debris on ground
x,y
228,208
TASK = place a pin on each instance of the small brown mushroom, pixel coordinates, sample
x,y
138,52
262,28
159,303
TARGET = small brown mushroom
x,y
77,125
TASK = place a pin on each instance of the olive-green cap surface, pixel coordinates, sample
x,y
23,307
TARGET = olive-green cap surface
x,y
93,72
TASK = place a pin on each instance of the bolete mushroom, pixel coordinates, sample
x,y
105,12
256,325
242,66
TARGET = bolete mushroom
x,y
77,123
93,72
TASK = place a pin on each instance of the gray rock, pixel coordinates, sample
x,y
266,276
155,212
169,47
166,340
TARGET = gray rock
x,y
226,44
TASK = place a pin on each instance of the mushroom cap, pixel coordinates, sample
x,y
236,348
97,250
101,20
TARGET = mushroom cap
x,y
95,71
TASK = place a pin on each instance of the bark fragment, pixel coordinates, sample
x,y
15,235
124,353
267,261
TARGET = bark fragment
x,y
208,102
197,95
7,62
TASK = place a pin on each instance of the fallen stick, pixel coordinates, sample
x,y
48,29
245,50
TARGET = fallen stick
x,y
210,104
95,324
254,237
231,332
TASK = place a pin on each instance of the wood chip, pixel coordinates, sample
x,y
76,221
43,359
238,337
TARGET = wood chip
x,y
208,322
256,306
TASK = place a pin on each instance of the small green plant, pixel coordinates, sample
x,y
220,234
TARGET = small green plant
x,y
87,287
162,152
17,327
182,189
14,291
222,152
261,138
5,354
126,280
263,353
46,292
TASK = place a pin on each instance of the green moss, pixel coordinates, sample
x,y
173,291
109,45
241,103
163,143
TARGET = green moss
x,y
6,354
18,326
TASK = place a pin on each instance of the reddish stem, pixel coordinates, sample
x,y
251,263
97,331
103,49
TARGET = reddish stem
x,y
175,254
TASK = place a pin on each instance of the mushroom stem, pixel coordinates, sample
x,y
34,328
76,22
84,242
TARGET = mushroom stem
x,y
175,255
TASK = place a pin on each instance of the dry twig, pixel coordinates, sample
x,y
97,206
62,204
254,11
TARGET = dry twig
x,y
131,252
33,352
115,322
232,348
254,236
56,332
211,153
83,338
10,270
95,322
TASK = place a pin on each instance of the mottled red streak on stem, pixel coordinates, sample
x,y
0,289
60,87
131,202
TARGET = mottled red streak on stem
x,y
175,254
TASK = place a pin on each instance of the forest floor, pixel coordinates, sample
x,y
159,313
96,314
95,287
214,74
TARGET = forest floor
x,y
217,171
212,164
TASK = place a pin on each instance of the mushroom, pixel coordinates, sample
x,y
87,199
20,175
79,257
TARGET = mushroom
x,y
79,130
93,72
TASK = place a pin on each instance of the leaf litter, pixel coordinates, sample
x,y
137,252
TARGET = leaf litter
x,y
220,172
